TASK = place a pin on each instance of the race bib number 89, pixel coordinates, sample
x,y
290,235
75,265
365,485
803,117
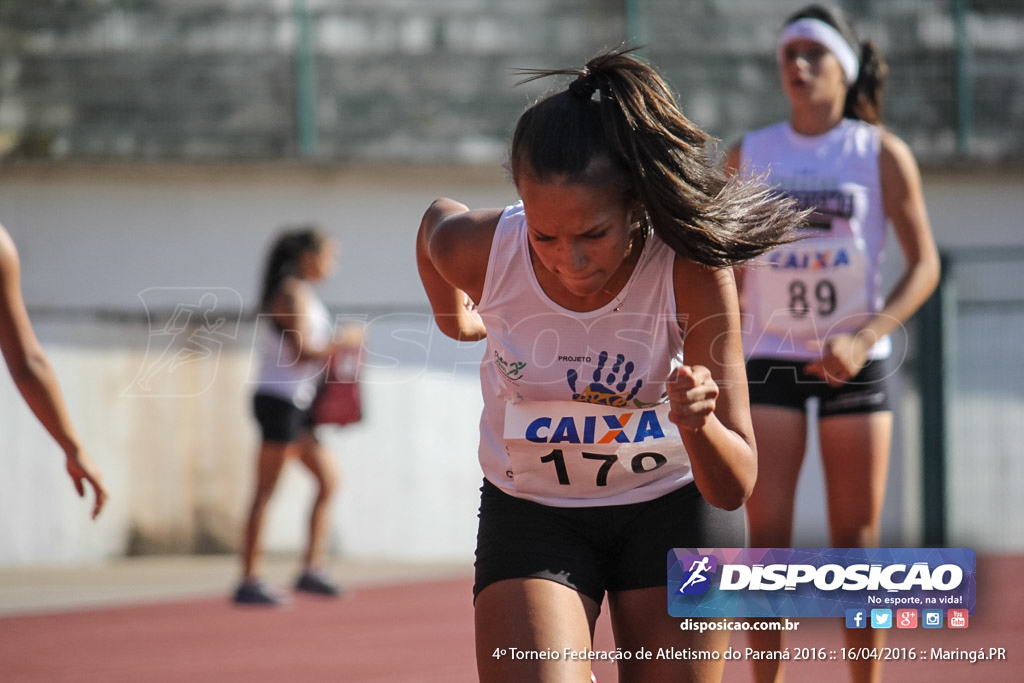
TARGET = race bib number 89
x,y
808,286
581,450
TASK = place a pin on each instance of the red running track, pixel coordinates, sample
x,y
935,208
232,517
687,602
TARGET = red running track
x,y
420,633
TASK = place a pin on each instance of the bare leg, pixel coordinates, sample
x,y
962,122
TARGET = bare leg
x,y
318,460
781,436
271,460
531,616
855,457
640,620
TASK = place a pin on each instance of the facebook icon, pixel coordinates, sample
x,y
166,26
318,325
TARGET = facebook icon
x,y
856,618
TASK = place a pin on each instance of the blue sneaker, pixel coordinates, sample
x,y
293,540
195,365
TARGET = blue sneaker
x,y
317,582
255,592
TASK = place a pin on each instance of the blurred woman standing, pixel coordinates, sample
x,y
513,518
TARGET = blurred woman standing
x,y
820,322
296,347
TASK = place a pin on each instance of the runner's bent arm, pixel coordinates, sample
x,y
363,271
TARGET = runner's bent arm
x,y
904,206
709,394
452,249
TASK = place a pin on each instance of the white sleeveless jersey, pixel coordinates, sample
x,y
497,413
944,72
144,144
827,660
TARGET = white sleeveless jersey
x,y
575,412
829,281
280,375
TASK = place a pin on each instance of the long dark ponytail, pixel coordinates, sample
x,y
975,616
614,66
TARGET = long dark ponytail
x,y
618,125
283,259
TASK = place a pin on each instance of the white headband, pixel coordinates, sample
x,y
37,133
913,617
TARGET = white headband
x,y
820,32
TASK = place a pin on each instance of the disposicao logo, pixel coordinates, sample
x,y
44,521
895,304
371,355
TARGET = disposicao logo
x,y
697,581
791,582
837,577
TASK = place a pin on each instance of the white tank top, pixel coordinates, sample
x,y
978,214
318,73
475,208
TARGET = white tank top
x,y
830,281
280,375
575,413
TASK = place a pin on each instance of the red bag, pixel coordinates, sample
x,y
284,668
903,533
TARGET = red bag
x,y
338,402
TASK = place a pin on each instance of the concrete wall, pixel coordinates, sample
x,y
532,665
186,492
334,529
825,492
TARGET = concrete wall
x,y
109,251
107,255
432,81
115,232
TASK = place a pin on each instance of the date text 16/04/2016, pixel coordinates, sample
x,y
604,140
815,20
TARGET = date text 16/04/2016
x,y
871,653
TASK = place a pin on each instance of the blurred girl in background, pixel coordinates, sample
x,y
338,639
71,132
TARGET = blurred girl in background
x,y
820,322
298,340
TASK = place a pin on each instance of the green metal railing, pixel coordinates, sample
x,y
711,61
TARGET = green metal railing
x,y
936,349
305,81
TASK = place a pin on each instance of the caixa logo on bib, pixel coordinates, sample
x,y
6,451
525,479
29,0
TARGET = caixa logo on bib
x,y
817,582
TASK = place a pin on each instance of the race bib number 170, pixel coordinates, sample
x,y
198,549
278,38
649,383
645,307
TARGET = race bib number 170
x,y
581,450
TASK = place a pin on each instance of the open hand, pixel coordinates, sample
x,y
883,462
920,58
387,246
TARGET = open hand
x,y
82,469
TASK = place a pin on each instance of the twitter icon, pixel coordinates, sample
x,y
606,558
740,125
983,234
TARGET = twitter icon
x,y
881,618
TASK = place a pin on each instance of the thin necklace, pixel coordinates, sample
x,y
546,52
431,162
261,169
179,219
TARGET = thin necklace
x,y
621,296
618,299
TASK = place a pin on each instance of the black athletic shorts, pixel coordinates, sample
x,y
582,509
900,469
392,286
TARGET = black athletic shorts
x,y
280,420
785,383
596,549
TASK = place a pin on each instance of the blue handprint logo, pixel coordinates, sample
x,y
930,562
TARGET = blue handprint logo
x,y
610,389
